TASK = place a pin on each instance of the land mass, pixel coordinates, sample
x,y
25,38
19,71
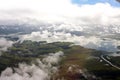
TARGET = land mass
x,y
78,63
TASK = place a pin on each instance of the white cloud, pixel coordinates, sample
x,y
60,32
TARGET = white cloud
x,y
53,58
42,71
89,42
60,11
84,18
60,36
4,44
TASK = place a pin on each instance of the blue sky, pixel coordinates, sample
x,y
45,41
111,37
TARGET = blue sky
x,y
112,2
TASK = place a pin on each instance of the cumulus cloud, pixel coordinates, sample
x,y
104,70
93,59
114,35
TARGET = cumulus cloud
x,y
60,11
4,44
53,58
42,71
96,18
86,41
57,36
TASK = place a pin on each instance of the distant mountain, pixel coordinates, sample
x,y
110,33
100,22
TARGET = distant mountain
x,y
59,27
22,28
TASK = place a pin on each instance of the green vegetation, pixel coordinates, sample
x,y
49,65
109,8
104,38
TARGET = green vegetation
x,y
29,48
77,56
89,59
28,51
102,69
115,60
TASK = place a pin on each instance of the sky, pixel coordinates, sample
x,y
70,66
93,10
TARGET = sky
x,y
112,2
71,13
105,12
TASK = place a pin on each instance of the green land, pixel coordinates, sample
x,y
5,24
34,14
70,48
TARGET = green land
x,y
80,58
